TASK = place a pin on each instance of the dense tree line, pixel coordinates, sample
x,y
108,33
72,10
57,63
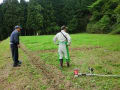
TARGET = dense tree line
x,y
43,16
38,17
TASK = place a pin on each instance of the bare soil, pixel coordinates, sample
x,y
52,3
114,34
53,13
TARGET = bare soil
x,y
52,76
71,49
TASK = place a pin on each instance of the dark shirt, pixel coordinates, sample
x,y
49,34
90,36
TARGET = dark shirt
x,y
14,38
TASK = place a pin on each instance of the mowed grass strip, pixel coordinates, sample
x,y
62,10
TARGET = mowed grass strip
x,y
4,54
102,52
45,42
26,77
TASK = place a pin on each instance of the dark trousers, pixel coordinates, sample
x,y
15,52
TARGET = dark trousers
x,y
14,51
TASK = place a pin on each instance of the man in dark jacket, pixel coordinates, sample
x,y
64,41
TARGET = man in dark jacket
x,y
14,44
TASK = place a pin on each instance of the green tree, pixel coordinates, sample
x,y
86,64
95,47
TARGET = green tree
x,y
23,16
105,17
10,9
34,18
46,16
1,24
77,14
59,11
49,24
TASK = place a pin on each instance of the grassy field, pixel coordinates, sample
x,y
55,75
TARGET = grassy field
x,y
40,69
78,40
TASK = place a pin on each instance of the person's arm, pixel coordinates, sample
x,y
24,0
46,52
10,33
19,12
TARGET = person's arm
x,y
55,39
69,39
16,38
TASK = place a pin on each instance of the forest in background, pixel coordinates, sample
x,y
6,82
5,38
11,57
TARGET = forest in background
x,y
105,17
45,17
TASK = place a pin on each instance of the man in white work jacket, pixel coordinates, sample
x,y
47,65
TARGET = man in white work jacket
x,y
64,40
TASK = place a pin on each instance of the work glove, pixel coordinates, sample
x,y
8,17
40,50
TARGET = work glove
x,y
68,44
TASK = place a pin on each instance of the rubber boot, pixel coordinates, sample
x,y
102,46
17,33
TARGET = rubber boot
x,y
68,64
61,63
19,62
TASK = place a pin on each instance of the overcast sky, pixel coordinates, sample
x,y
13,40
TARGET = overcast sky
x,y
2,1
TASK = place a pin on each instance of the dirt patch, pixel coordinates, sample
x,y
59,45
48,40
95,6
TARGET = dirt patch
x,y
5,71
71,49
46,51
85,48
52,75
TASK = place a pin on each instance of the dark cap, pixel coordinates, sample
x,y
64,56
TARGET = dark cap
x,y
18,27
64,27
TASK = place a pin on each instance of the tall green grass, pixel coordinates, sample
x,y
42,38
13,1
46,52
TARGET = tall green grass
x,y
111,42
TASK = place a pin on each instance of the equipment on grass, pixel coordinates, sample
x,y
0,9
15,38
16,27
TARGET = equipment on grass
x,y
77,74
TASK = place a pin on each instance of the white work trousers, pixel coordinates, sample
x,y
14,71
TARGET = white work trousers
x,y
62,51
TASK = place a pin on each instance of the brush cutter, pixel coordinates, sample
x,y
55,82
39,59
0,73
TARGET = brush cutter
x,y
77,74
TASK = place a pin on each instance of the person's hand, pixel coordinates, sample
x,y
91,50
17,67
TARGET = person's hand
x,y
18,45
68,44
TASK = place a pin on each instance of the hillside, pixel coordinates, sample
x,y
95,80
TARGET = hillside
x,y
105,17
